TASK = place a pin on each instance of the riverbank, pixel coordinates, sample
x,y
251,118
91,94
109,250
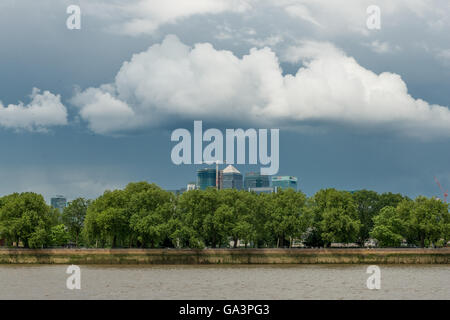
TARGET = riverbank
x,y
225,256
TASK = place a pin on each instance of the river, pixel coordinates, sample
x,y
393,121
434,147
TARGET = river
x,y
225,282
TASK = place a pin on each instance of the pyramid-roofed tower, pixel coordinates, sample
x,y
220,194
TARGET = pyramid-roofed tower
x,y
231,169
232,178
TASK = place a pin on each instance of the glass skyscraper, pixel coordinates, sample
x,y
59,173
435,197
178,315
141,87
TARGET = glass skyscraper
x,y
232,178
256,180
206,178
284,182
58,202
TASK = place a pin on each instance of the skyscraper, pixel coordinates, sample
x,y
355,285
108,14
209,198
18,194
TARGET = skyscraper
x,y
231,178
284,182
256,180
58,202
206,178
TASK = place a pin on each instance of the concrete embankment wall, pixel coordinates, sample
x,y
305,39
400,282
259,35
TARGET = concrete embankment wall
x,y
225,256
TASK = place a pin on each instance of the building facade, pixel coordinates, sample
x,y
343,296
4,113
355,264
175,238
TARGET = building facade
x,y
256,180
232,178
58,202
262,190
191,186
284,182
207,178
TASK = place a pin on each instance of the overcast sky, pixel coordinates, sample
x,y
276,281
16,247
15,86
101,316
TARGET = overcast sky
x,y
86,110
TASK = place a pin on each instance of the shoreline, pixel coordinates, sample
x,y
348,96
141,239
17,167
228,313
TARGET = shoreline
x,y
225,256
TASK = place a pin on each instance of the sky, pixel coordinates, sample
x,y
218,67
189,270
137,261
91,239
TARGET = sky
x,y
82,111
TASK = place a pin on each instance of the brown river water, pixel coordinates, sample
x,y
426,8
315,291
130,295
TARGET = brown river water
x,y
225,282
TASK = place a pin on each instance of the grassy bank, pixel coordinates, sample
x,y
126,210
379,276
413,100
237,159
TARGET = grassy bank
x,y
225,256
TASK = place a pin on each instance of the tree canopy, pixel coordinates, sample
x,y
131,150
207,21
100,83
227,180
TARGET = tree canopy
x,y
142,215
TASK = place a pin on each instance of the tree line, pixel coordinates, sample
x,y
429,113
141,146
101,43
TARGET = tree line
x,y
143,215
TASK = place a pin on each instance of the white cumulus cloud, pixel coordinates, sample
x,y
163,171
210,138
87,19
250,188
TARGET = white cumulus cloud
x,y
172,81
44,110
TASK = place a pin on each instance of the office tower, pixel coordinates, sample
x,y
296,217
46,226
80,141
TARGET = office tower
x,y
284,182
256,180
206,178
58,202
231,178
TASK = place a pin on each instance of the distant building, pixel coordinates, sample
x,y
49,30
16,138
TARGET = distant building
x,y
191,186
207,178
220,179
262,190
256,180
284,182
58,202
231,178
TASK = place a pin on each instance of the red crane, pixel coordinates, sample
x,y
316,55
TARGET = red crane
x,y
440,187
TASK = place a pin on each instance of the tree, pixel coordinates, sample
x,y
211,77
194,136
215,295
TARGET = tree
x,y
26,218
335,217
428,219
445,225
73,217
107,219
197,209
288,218
339,225
39,238
245,219
59,235
258,217
142,214
218,225
389,199
152,210
389,228
235,212
114,225
367,206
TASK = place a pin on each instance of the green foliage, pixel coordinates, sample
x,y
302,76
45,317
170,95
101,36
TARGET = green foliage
x,y
238,215
335,217
38,239
422,222
200,213
389,228
287,218
389,199
26,218
139,215
144,215
428,220
367,204
59,235
151,211
73,217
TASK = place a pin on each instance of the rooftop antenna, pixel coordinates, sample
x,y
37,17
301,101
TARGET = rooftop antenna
x,y
445,193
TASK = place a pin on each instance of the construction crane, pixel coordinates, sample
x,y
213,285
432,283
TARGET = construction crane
x,y
445,193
